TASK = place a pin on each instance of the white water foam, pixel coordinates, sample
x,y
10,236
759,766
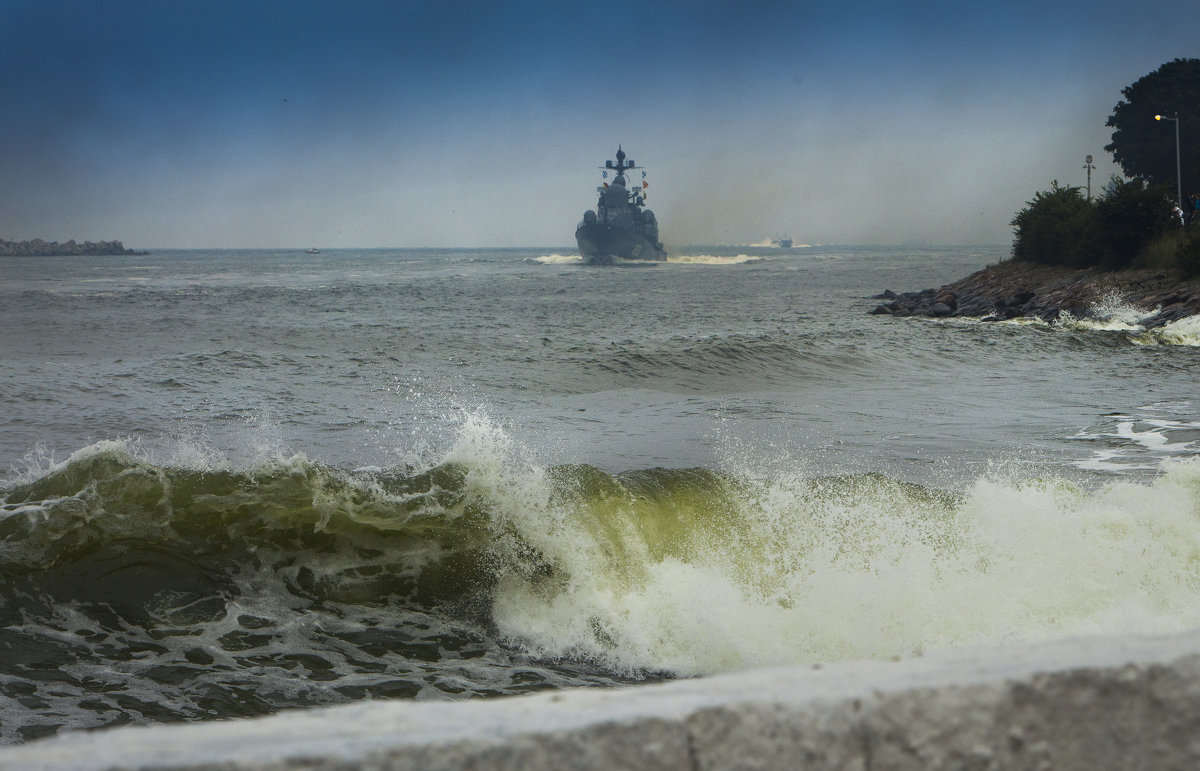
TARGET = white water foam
x,y
781,568
815,570
557,259
1185,332
712,259
1112,314
1131,442
1109,314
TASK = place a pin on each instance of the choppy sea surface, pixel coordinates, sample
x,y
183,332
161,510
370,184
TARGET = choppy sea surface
x,y
237,482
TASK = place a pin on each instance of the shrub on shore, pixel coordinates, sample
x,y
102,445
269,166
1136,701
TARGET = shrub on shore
x,y
1057,227
1131,224
1176,250
1129,217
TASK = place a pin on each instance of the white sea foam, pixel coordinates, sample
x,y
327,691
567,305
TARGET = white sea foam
x,y
1185,332
1112,314
557,259
774,567
713,259
1109,314
1128,442
1130,320
1112,309
863,567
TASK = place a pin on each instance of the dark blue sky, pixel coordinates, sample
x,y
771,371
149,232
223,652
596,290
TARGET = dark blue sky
x,y
243,124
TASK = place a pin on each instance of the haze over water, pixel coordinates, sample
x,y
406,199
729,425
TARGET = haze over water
x,y
448,124
245,481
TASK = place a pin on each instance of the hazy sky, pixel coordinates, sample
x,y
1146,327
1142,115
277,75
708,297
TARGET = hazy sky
x,y
170,123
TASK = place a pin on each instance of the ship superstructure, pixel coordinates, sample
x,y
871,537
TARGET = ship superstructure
x,y
621,228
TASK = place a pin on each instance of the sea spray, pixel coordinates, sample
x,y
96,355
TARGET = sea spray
x,y
151,592
798,570
1113,314
1183,332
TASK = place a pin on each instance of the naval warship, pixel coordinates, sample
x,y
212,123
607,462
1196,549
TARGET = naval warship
x,y
621,227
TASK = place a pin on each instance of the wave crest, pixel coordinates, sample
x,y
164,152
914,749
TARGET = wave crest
x,y
685,571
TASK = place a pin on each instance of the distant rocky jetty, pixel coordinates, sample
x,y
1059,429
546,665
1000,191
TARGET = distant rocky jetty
x,y
39,248
1014,289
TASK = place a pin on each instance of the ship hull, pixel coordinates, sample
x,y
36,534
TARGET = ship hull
x,y
602,244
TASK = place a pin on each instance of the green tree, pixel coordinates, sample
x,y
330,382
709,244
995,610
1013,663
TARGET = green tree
x,y
1058,227
1144,147
1129,215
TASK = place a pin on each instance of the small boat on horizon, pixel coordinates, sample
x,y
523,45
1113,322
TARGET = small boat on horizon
x,y
620,228
314,250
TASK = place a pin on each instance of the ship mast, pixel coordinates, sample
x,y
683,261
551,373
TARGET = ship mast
x,y
636,197
621,166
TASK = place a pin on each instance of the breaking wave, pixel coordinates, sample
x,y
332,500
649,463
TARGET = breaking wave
x,y
686,571
1112,314
1185,332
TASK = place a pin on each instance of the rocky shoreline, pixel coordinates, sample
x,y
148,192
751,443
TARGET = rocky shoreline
x,y
39,248
1014,289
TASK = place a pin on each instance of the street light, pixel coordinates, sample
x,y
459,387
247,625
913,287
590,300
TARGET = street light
x,y
1087,164
1178,180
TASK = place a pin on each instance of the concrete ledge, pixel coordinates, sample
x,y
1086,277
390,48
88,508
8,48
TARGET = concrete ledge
x,y
1102,703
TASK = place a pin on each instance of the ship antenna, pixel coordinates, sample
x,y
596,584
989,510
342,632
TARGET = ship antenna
x,y
621,166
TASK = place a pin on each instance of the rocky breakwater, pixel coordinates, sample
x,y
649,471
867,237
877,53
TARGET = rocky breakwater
x,y
39,248
1015,289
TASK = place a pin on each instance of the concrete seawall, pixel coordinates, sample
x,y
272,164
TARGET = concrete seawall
x,y
1097,703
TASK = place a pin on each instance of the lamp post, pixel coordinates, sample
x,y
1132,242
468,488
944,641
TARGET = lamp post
x,y
1087,164
1178,180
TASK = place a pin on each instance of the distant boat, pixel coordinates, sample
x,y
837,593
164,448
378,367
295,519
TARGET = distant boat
x,y
784,243
620,228
314,250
